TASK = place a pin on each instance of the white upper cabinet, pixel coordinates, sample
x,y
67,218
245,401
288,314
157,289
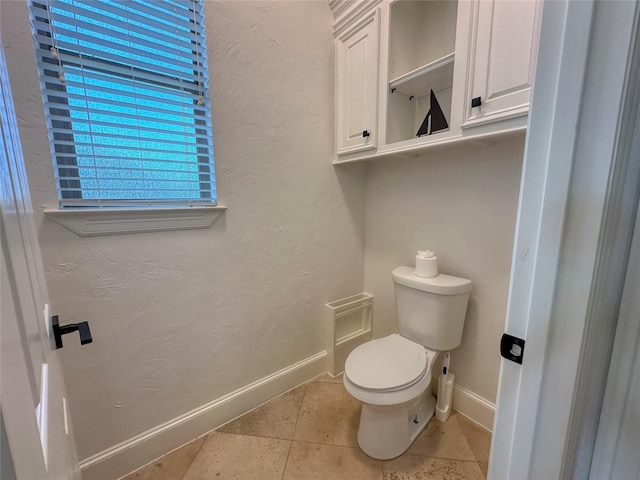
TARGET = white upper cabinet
x,y
357,57
502,60
415,74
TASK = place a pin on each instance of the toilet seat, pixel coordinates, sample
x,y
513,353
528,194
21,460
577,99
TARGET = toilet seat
x,y
387,364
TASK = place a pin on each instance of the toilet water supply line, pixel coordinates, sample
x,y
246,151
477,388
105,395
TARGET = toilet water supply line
x,y
445,390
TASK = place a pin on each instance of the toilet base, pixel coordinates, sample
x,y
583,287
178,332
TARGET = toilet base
x,y
388,431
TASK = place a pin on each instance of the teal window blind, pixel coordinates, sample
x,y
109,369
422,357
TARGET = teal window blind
x,y
124,85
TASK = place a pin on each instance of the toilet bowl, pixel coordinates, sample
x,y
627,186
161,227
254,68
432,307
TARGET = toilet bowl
x,y
390,376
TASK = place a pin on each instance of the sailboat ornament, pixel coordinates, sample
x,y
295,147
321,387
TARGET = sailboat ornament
x,y
434,120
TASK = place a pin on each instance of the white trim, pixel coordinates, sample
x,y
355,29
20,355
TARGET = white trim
x,y
470,404
473,406
339,6
421,71
90,222
43,412
127,456
544,189
512,127
354,11
615,452
498,116
569,160
609,273
584,279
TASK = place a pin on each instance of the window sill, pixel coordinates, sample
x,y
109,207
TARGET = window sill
x,y
91,222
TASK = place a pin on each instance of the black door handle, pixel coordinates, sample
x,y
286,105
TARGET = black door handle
x,y
476,102
365,133
82,328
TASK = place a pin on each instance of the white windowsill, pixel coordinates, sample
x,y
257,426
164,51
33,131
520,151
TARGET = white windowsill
x,y
90,222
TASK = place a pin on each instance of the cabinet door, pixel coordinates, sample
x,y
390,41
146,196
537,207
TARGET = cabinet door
x,y
357,52
503,53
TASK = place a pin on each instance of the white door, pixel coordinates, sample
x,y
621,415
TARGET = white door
x,y
503,55
577,179
34,416
357,85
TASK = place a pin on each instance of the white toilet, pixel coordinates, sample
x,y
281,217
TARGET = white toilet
x,y
390,375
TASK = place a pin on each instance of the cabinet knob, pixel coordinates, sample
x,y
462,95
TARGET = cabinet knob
x,y
476,102
365,133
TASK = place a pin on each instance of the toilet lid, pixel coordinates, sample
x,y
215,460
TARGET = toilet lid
x,y
389,363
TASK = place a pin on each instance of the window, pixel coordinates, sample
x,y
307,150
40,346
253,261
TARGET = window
x,y
125,92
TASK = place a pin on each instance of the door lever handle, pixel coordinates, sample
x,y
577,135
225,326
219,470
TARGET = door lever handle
x,y
82,328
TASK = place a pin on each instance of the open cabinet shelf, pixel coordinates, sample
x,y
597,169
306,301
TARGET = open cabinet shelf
x,y
434,76
421,61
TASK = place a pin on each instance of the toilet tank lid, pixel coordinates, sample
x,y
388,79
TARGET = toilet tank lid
x,y
441,284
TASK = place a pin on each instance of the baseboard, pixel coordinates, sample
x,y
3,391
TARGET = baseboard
x,y
474,406
142,449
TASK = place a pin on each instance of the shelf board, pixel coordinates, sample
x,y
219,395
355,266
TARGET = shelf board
x,y
436,76
517,129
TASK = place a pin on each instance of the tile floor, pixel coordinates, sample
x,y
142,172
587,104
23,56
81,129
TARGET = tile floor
x,y
309,433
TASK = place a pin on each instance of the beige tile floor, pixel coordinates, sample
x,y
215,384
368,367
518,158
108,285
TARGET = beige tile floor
x,y
309,433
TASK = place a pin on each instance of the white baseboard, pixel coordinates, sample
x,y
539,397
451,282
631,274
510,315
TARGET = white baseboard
x,y
474,406
142,449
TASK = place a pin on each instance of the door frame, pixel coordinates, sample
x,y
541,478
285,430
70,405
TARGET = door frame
x,y
615,450
576,212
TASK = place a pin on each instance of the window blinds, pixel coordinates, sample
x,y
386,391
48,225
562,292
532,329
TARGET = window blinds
x,y
124,86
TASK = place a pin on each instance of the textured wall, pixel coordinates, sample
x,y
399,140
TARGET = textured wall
x,y
181,318
460,202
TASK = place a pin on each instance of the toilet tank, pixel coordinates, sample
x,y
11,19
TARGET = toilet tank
x,y
431,311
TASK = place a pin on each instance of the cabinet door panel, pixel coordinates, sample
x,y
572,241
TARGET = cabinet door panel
x,y
357,86
356,80
503,63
